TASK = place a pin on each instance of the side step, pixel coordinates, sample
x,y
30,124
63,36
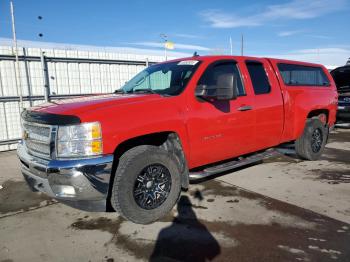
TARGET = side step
x,y
243,161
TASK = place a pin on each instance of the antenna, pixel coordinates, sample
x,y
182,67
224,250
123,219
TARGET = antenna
x,y
242,44
230,45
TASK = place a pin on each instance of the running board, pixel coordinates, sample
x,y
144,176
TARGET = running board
x,y
243,161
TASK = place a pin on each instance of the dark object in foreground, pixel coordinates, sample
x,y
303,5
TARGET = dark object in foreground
x,y
341,76
187,232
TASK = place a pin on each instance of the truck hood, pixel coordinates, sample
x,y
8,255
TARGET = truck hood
x,y
80,105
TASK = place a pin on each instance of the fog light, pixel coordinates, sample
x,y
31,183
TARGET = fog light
x,y
68,190
64,191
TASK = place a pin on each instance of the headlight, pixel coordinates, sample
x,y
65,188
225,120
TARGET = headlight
x,y
79,140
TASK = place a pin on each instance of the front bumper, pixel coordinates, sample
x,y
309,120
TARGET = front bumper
x,y
81,183
343,114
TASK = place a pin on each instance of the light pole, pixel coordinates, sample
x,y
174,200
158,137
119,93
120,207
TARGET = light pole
x,y
44,70
17,70
165,39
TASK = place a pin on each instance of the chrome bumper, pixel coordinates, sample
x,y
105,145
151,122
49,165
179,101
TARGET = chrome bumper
x,y
80,183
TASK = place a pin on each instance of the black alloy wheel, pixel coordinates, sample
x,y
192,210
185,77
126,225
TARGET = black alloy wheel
x,y
311,144
316,140
152,186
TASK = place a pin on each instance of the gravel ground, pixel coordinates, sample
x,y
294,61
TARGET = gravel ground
x,y
283,209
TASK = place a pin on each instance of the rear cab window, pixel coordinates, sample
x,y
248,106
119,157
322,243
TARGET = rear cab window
x,y
301,75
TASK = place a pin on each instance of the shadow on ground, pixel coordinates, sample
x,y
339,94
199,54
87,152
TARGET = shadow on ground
x,y
192,239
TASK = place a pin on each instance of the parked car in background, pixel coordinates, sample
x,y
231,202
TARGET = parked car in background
x,y
341,76
175,121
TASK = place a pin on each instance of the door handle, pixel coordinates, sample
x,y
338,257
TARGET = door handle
x,y
244,108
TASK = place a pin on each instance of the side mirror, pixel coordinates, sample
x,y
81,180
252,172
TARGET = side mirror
x,y
225,88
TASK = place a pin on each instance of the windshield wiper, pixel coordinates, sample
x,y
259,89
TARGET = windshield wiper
x,y
119,91
146,90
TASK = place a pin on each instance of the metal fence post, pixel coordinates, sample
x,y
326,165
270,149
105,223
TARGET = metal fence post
x,y
45,76
26,68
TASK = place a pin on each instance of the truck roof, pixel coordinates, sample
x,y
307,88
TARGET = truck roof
x,y
217,57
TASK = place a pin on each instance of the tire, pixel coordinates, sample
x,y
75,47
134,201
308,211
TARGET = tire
x,y
306,146
136,166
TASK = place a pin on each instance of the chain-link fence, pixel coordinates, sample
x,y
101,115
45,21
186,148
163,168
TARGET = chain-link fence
x,y
63,73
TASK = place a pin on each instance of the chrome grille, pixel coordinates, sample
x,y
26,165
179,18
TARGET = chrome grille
x,y
344,99
41,131
37,139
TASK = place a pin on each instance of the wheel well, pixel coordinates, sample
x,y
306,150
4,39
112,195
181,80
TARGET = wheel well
x,y
322,114
168,140
155,139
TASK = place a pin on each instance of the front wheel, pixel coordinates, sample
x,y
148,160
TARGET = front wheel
x,y
147,184
311,144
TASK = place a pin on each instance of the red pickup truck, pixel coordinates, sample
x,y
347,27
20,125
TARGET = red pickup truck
x,y
134,150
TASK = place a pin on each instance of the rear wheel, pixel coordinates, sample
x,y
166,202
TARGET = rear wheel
x,y
311,144
147,184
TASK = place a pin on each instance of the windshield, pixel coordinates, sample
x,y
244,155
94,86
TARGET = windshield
x,y
165,79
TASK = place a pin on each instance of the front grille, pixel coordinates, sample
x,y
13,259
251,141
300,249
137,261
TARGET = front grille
x,y
41,131
37,139
344,99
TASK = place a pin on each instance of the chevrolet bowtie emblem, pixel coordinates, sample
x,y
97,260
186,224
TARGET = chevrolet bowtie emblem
x,y
25,135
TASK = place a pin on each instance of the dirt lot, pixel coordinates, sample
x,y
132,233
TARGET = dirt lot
x,y
281,210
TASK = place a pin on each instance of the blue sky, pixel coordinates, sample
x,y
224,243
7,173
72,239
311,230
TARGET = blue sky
x,y
312,30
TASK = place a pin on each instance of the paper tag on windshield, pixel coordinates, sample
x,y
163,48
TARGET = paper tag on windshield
x,y
188,62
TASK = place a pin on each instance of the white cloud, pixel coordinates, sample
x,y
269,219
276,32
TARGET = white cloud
x,y
218,19
295,9
177,46
296,32
289,33
328,56
189,36
319,36
300,9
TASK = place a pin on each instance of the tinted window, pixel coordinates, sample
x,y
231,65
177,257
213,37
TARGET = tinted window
x,y
299,75
341,77
259,78
210,76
